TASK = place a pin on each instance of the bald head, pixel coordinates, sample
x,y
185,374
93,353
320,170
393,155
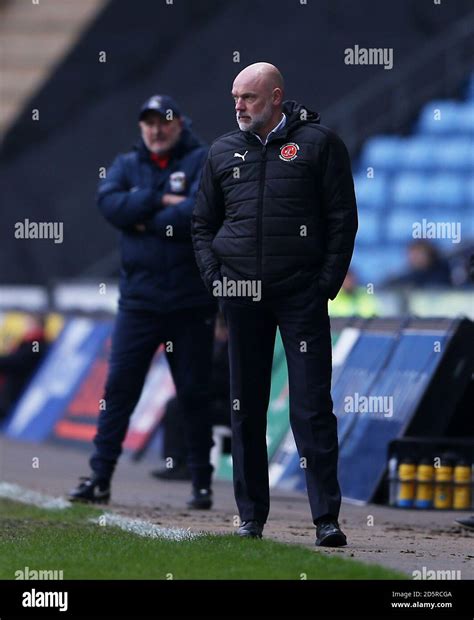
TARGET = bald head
x,y
260,74
258,95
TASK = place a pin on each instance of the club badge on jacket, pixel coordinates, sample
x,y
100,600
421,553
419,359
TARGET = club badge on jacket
x,y
289,152
178,182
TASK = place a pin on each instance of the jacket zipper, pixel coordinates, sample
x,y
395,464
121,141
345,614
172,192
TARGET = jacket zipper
x,y
260,213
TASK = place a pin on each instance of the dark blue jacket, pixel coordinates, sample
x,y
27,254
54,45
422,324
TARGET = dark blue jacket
x,y
158,268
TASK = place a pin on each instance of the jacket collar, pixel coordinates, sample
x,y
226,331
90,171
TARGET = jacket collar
x,y
296,115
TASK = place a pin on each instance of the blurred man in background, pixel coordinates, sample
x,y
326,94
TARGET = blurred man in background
x,y
427,267
148,195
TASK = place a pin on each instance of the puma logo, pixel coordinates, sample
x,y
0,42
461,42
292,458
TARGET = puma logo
x,y
242,156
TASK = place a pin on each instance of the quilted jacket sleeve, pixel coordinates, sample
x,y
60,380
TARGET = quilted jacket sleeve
x,y
121,206
207,218
340,215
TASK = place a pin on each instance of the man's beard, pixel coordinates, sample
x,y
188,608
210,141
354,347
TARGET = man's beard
x,y
258,121
162,150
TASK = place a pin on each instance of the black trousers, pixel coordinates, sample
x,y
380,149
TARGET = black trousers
x,y
305,330
175,442
137,335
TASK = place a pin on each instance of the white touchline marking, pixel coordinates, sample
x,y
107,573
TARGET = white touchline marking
x,y
145,528
34,498
139,527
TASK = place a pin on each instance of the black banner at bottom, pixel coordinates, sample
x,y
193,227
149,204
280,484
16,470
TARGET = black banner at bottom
x,y
139,599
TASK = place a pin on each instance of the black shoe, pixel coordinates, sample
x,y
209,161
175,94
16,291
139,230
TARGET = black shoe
x,y
91,489
467,522
200,500
179,472
329,534
250,529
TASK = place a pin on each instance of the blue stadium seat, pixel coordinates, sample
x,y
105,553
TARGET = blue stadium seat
x,y
381,153
467,225
446,190
419,152
443,189
399,225
429,153
371,193
470,192
369,226
454,118
466,117
455,154
409,189
377,264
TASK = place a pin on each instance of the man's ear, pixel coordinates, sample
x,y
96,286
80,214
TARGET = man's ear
x,y
277,95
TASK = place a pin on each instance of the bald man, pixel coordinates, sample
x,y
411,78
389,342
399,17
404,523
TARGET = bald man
x,y
273,231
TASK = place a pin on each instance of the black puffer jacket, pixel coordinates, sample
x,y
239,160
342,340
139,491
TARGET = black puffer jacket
x,y
285,214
